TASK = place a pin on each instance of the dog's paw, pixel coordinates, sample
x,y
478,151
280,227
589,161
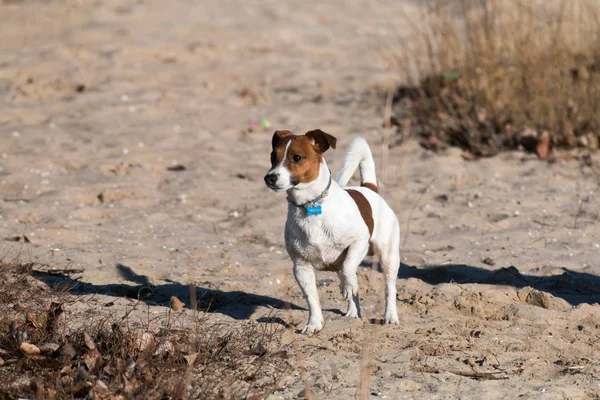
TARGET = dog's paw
x,y
391,318
312,327
352,310
351,313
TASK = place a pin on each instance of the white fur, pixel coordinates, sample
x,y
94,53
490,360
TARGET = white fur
x,y
319,241
358,156
283,174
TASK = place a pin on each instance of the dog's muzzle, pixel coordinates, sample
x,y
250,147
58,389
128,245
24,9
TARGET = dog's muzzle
x,y
271,180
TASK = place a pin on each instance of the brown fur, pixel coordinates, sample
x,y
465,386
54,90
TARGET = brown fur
x,y
309,147
371,186
364,207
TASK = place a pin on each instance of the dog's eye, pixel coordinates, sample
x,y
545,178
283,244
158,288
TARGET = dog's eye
x,y
297,158
273,157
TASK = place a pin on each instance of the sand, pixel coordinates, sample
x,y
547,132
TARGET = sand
x,y
99,99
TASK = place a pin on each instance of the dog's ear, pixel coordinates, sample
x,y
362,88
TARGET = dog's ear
x,y
278,135
322,140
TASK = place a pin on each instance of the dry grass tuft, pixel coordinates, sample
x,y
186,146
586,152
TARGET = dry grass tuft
x,y
488,76
47,352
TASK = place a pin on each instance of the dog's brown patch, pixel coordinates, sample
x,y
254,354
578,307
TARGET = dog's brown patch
x,y
366,212
304,154
371,186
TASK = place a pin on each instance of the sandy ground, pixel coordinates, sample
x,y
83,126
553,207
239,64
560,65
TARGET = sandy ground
x,y
98,99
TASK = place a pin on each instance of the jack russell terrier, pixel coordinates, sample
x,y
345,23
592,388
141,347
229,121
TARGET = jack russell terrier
x,y
331,227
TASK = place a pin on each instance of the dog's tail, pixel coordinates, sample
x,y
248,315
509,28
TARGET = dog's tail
x,y
358,155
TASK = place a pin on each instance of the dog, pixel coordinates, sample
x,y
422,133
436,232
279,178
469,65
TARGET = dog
x,y
331,227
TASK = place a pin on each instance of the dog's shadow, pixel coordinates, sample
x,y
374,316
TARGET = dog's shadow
x,y
235,304
574,287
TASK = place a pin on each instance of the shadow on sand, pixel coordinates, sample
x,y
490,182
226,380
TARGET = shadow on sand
x,y
574,287
236,304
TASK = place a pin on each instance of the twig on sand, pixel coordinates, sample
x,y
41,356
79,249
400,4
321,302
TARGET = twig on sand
x,y
487,375
540,222
8,200
579,212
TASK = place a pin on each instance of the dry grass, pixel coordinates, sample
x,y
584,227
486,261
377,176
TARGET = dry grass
x,y
493,75
48,352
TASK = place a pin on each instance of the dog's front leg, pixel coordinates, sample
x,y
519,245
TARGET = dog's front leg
x,y
305,276
348,279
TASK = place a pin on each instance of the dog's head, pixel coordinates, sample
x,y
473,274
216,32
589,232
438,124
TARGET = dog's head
x,y
296,159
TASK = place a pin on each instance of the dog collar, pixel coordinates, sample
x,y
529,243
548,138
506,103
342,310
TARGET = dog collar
x,y
311,207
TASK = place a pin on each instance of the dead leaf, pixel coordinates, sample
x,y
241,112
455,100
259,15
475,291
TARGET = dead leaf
x,y
88,341
191,358
568,134
100,388
65,370
129,388
54,310
165,347
176,304
543,147
467,156
29,349
91,359
142,341
36,320
280,354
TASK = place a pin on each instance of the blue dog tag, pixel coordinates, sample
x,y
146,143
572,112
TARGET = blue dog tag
x,y
313,210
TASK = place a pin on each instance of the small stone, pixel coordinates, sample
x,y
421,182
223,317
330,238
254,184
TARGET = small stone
x,y
260,350
497,217
29,349
442,198
67,353
49,347
489,261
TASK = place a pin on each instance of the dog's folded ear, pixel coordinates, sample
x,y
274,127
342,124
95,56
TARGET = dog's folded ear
x,y
322,140
278,135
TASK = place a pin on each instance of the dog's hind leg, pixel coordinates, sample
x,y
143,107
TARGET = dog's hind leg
x,y
390,262
348,279
305,276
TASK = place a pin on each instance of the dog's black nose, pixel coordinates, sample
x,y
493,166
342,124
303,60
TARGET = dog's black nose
x,y
271,179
